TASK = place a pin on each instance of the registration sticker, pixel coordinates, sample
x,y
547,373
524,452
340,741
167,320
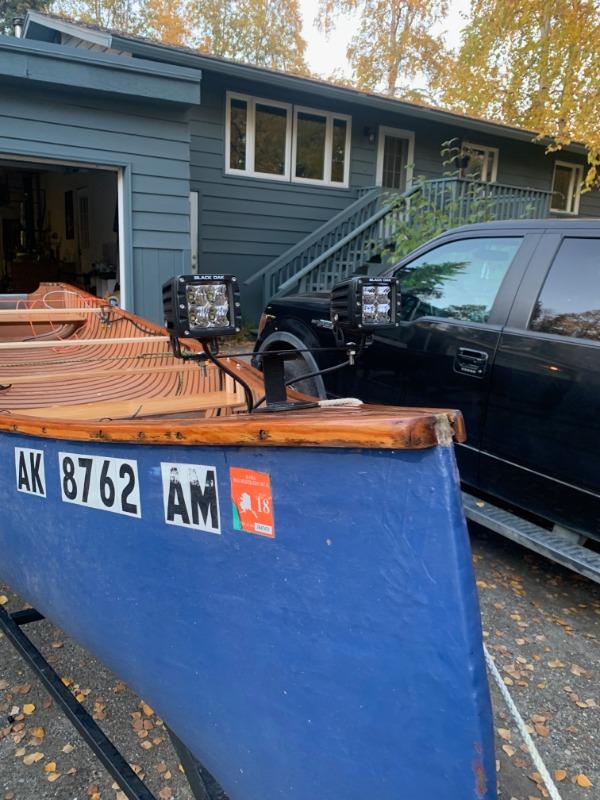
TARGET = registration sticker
x,y
252,502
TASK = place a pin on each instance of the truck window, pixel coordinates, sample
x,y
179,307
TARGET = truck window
x,y
459,280
569,303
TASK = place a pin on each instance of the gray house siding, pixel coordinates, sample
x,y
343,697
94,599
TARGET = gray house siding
x,y
247,222
151,144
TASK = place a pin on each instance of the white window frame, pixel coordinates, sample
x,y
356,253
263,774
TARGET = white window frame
x,y
398,133
494,152
329,116
251,103
574,195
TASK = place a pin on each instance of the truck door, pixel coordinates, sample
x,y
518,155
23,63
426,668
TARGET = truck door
x,y
542,433
455,300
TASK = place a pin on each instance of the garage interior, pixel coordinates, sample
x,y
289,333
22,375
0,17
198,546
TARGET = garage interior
x,y
59,223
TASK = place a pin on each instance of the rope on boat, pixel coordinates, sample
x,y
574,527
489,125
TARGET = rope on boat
x,y
340,401
520,723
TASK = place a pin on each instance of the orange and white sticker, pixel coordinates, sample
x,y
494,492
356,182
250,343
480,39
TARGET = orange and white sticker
x,y
252,502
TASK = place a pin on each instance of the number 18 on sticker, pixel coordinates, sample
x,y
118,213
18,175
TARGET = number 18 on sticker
x,y
108,484
252,501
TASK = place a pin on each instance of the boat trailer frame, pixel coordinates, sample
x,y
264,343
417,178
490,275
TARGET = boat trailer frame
x,y
202,785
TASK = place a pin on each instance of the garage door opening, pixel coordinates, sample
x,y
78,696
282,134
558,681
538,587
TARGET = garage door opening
x,y
59,223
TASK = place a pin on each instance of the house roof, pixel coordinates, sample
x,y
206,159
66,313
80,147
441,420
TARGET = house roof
x,y
74,69
49,27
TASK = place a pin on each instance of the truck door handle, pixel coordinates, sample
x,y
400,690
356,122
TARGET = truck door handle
x,y
471,362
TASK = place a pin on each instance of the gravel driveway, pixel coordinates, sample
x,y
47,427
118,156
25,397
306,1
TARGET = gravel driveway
x,y
541,624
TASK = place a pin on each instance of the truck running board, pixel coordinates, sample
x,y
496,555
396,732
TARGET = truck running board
x,y
552,545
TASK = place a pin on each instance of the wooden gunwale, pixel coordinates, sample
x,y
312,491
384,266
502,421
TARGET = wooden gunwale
x,y
361,427
337,427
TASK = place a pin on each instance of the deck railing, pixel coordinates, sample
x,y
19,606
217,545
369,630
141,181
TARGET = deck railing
x,y
346,242
496,200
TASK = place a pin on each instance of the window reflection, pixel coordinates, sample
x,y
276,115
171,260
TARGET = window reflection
x,y
270,136
458,280
310,153
237,137
569,303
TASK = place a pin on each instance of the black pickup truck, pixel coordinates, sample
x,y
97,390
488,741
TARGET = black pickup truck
x,y
500,320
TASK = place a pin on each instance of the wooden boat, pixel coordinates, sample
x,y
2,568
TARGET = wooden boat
x,y
292,592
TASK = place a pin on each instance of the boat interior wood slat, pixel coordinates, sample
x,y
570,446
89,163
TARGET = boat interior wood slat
x,y
46,314
55,377
137,407
81,342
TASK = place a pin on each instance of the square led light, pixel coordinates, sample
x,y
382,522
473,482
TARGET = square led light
x,y
365,304
202,306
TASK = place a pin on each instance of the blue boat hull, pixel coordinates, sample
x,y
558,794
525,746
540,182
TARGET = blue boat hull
x,y
337,656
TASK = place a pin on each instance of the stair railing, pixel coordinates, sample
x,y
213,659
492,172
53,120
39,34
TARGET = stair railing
x,y
349,240
283,269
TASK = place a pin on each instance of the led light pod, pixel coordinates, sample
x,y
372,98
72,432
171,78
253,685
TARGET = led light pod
x,y
365,305
202,306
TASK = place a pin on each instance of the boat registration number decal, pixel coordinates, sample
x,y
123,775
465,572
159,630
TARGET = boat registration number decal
x,y
191,496
29,468
252,501
108,484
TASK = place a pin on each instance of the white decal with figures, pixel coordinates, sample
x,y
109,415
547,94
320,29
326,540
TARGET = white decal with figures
x,y
190,496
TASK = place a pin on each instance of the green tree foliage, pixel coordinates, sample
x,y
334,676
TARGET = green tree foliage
x,y
421,214
393,44
9,9
263,32
534,64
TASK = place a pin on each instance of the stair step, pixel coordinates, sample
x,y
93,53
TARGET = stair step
x,y
573,556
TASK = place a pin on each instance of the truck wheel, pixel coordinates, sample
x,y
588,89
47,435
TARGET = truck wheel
x,y
301,364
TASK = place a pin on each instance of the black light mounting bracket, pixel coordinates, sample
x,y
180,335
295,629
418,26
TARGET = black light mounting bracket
x,y
276,399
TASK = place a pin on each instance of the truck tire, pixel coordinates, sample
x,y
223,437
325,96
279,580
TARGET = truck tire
x,y
301,364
